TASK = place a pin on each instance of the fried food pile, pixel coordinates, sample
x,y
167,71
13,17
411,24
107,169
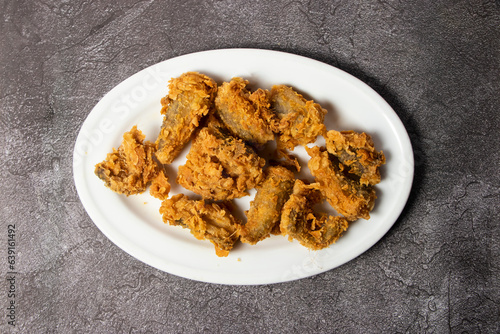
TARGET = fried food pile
x,y
228,127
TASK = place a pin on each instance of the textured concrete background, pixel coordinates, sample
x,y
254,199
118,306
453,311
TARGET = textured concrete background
x,y
436,62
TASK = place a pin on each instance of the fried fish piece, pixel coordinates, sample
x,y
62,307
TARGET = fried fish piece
x,y
300,121
210,221
298,220
220,166
189,98
345,194
129,169
265,209
159,186
357,152
246,115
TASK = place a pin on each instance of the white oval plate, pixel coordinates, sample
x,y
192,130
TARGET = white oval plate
x,y
134,223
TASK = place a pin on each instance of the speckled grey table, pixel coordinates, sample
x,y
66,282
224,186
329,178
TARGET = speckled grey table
x,y
436,62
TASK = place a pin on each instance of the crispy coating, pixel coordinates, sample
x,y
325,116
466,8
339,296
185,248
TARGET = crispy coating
x,y
129,169
211,221
288,159
246,115
300,121
220,166
189,98
313,230
357,153
346,195
265,209
160,187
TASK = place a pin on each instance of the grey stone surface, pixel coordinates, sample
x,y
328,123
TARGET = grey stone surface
x,y
436,62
